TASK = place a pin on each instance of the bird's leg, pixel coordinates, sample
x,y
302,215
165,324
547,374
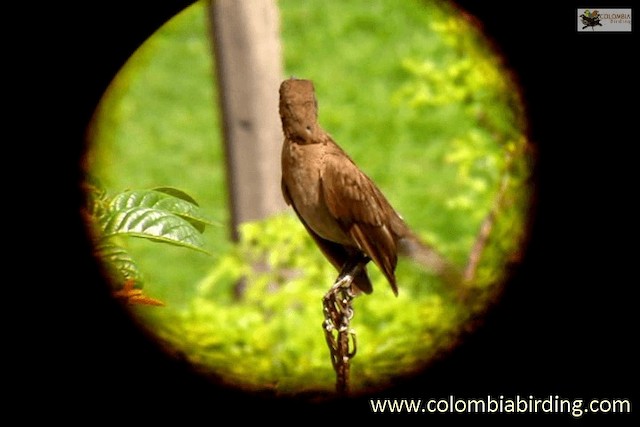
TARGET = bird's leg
x,y
338,313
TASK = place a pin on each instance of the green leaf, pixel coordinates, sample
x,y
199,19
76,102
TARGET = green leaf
x,y
172,191
167,199
119,262
153,224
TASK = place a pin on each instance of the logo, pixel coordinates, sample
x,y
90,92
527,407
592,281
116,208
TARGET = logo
x,y
604,20
590,19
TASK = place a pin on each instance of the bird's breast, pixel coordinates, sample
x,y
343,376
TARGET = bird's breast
x,y
301,173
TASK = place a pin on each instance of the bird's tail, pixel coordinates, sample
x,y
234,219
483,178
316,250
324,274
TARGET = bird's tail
x,y
428,257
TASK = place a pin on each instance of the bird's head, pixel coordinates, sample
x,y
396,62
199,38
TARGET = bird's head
x,y
298,110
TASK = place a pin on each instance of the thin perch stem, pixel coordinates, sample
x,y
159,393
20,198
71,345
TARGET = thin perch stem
x,y
338,312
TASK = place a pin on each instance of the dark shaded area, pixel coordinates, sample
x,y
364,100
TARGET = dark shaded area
x,y
564,323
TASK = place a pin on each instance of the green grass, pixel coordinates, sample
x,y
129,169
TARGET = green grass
x,y
420,101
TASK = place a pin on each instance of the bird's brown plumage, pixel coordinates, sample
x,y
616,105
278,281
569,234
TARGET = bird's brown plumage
x,y
342,209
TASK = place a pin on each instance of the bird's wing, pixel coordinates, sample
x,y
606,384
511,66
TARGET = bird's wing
x,y
361,209
336,253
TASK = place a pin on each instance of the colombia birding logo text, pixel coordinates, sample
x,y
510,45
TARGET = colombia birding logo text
x,y
604,20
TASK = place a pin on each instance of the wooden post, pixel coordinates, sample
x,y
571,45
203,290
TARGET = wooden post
x,y
248,58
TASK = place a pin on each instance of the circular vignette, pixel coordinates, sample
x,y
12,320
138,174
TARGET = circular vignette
x,y
422,84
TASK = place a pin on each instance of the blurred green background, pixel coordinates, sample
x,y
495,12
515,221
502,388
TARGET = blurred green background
x,y
422,103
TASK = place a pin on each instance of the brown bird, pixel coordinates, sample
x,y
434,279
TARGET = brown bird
x,y
348,217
